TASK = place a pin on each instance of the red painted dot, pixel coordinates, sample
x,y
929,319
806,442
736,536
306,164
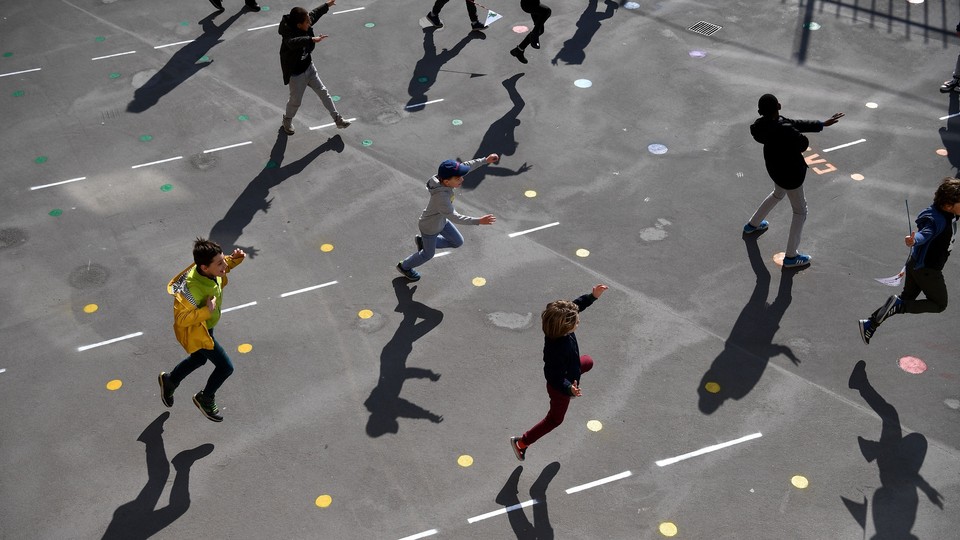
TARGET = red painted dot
x,y
912,364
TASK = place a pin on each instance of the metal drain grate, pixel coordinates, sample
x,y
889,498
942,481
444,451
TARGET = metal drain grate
x,y
705,28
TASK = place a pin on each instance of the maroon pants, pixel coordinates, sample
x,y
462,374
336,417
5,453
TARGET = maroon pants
x,y
559,402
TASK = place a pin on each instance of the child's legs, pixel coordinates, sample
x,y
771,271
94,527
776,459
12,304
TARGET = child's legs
x,y
420,257
314,82
558,409
223,368
799,204
471,10
767,205
438,5
956,69
298,85
187,366
934,289
449,237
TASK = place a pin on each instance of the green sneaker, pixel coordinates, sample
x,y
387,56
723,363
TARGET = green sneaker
x,y
207,406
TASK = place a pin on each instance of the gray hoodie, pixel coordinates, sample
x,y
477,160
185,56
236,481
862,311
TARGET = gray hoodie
x,y
440,207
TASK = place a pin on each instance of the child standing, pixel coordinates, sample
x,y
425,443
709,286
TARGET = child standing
x,y
436,229
562,364
929,247
197,296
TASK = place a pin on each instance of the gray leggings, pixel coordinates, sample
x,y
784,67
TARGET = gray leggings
x,y
299,84
799,204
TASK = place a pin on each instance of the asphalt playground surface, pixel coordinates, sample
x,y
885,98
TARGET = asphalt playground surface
x,y
368,407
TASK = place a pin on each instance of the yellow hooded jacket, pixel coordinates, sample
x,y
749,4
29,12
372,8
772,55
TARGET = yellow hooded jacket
x,y
189,319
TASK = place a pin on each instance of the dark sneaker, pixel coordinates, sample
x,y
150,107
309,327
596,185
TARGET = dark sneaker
x,y
166,389
217,4
341,123
410,274
207,406
947,86
858,377
517,53
419,240
253,6
517,451
866,330
802,259
889,308
750,229
477,25
434,20
535,43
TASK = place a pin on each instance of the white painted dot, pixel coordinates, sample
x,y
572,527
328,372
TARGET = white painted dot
x,y
657,148
952,403
582,83
915,1
697,54
632,5
813,26
871,105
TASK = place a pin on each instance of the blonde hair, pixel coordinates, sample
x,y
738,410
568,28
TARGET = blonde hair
x,y
559,318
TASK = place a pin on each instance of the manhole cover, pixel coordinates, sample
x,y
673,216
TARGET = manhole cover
x,y
204,162
88,276
705,28
11,237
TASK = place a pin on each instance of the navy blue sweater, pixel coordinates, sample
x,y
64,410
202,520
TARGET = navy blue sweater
x,y
561,356
934,238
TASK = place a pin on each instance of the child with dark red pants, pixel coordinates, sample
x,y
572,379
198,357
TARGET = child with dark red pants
x,y
562,364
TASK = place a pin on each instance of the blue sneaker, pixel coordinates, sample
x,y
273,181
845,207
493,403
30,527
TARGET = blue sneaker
x,y
866,330
410,274
889,308
750,229
802,259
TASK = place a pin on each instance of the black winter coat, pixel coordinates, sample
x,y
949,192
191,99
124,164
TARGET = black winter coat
x,y
783,147
297,44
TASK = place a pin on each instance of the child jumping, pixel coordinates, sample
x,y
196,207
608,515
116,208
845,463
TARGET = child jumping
x,y
562,364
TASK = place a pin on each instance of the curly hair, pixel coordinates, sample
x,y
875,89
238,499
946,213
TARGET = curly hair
x,y
559,318
947,193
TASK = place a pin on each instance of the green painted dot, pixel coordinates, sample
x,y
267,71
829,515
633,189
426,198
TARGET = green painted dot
x,y
146,138
367,142
18,93
203,59
457,122
271,165
7,54
185,23
243,118
422,79
99,39
166,187
335,98
114,75
40,159
265,8
56,212
369,25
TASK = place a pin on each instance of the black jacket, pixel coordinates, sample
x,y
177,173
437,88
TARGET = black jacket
x,y
561,356
783,147
297,44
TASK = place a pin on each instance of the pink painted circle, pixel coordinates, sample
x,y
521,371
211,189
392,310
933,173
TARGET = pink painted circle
x,y
912,364
519,29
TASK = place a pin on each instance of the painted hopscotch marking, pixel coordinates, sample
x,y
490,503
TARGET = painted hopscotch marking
x,y
174,44
707,450
548,225
424,103
113,55
306,289
424,534
331,124
502,511
19,72
156,162
58,183
831,149
108,342
234,308
599,482
227,147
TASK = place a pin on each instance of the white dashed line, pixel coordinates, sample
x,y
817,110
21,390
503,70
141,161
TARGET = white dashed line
x,y
949,116
424,534
59,183
262,27
331,124
555,223
156,162
424,103
298,291
226,147
671,461
502,511
19,72
347,10
234,308
113,55
109,341
174,44
3,370
843,145
599,482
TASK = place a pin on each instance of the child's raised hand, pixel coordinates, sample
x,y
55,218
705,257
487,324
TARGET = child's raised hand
x,y
598,290
238,254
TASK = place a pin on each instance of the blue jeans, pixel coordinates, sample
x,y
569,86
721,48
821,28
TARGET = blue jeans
x,y
223,368
448,237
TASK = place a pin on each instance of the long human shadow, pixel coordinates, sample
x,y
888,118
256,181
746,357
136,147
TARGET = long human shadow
x,y
428,67
385,404
748,349
950,135
139,518
184,64
574,50
539,528
253,199
899,458
500,139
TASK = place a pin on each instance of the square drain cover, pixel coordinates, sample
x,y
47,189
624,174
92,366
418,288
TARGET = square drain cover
x,y
705,28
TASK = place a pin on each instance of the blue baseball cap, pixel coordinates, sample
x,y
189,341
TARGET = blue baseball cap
x,y
450,168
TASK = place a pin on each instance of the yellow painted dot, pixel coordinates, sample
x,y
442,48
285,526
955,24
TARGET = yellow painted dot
x,y
778,258
244,348
941,151
323,501
799,481
465,460
668,529
594,425
326,248
90,308
365,314
479,281
530,193
712,387
114,384
583,252
857,176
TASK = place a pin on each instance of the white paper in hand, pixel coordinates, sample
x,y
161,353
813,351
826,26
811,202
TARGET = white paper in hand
x,y
491,17
893,281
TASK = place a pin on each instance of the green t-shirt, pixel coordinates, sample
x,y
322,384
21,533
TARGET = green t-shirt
x,y
199,289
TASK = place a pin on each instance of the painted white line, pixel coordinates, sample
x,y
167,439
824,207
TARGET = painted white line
x,y
109,341
424,103
949,116
112,55
262,27
59,183
156,162
19,72
174,44
502,511
3,370
825,150
599,482
671,461
554,224
298,291
347,11
226,147
234,308
331,124
424,534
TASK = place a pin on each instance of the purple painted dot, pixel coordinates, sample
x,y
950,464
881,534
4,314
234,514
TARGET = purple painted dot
x,y
698,54
912,364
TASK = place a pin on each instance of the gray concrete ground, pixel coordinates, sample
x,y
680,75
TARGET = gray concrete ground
x,y
344,427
